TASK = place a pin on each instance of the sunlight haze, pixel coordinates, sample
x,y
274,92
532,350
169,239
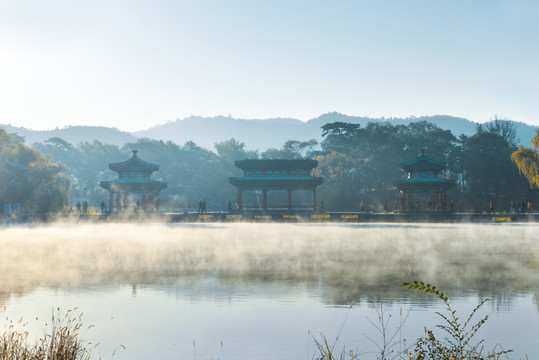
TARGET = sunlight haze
x,y
136,64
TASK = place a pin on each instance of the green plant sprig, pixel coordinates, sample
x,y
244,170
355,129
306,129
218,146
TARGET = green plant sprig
x,y
458,344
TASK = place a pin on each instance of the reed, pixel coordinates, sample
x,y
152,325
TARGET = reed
x,y
62,339
460,342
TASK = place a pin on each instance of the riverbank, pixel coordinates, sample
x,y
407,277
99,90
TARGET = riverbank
x,y
279,216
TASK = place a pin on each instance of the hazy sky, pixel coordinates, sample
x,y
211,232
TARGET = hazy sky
x,y
134,64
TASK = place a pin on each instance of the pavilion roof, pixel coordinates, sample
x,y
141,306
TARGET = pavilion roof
x,y
422,164
276,164
134,164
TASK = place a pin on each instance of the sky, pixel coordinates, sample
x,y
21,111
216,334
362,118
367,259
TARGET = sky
x,y
133,64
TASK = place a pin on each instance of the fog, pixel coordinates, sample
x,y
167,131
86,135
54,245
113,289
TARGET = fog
x,y
348,261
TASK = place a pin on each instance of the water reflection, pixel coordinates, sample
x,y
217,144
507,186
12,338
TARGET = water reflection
x,y
345,262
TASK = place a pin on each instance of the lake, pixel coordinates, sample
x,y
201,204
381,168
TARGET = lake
x,y
264,290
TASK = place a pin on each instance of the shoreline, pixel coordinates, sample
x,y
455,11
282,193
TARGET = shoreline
x,y
277,216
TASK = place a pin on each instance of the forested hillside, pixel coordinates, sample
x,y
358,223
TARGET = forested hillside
x,y
255,134
359,164
272,133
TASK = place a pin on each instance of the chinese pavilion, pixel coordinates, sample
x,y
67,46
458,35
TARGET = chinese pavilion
x,y
423,179
283,175
134,179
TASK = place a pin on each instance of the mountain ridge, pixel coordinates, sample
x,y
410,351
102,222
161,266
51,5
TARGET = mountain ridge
x,y
257,134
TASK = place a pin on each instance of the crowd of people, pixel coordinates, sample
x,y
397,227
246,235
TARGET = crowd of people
x,y
82,208
517,207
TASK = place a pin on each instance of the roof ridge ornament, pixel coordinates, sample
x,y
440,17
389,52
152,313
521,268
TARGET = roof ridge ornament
x,y
134,153
422,152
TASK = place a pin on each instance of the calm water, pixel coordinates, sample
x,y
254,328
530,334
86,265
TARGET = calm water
x,y
244,291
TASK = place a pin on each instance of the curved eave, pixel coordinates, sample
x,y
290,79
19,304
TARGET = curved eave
x,y
134,165
435,184
276,182
276,164
133,184
422,164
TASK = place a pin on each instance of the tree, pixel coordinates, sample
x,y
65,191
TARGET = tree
x,y
488,173
503,127
44,188
341,173
340,137
48,188
292,149
87,164
232,150
527,161
377,150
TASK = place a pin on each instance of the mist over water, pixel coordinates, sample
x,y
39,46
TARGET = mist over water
x,y
202,265
350,261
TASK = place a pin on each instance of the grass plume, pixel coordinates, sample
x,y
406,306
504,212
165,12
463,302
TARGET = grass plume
x,y
61,340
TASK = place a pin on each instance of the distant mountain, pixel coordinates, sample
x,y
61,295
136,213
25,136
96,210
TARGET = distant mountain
x,y
525,133
73,134
273,133
455,124
256,134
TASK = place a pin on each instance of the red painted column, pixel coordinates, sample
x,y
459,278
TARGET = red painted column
x,y
118,201
264,199
240,199
151,204
443,197
111,200
410,201
289,199
314,199
157,202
